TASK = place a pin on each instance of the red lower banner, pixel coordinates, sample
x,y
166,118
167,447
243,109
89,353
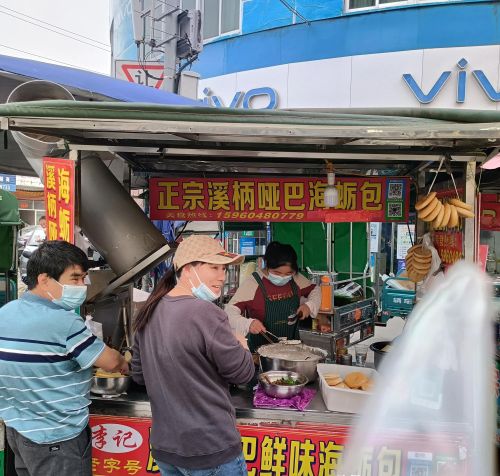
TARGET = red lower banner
x,y
121,448
449,245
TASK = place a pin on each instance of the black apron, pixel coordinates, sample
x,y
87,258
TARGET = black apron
x,y
275,315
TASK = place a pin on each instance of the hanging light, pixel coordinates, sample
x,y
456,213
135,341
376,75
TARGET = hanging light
x,y
331,192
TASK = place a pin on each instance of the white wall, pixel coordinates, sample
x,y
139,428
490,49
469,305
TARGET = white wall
x,y
368,80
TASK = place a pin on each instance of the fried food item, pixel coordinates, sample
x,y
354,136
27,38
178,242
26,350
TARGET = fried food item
x,y
447,216
464,212
434,213
429,210
333,380
100,373
453,217
352,381
423,202
458,203
367,386
355,379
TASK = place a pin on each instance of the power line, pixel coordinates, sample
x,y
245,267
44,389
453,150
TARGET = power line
x,y
171,35
55,26
295,12
50,59
54,31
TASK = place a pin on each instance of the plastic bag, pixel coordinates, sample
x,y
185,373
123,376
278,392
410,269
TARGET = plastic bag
x,y
433,277
433,409
94,327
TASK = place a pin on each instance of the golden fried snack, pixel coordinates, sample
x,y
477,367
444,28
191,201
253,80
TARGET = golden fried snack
x,y
355,379
333,380
423,202
453,217
460,204
434,213
429,209
367,386
103,374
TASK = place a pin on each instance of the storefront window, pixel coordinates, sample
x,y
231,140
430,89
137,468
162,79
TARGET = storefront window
x,y
230,15
219,16
355,4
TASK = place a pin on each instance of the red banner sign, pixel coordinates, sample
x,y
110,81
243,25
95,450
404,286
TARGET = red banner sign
x,y
293,199
449,245
59,192
490,212
120,447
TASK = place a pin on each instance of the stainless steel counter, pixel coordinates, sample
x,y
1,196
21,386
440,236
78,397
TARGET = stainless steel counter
x,y
136,404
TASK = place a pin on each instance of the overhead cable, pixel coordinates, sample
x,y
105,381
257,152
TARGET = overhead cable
x,y
51,59
55,26
54,31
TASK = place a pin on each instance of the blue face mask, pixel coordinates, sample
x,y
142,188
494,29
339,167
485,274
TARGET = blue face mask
x,y
72,296
202,291
278,280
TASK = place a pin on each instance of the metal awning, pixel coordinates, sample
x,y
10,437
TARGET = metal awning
x,y
157,139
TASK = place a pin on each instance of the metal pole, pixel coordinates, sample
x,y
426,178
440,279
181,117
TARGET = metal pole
x,y
329,246
168,19
302,246
393,227
350,250
470,244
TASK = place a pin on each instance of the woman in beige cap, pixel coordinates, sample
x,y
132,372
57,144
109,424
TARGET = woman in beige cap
x,y
186,355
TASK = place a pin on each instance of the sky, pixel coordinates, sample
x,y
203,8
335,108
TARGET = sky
x,y
21,37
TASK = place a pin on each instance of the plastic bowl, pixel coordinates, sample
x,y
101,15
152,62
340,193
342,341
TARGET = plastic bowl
x,y
378,353
282,391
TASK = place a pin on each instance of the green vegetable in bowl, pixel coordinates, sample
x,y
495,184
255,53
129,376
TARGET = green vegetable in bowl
x,y
286,381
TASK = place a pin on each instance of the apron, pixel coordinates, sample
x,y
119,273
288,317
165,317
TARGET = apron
x,y
276,311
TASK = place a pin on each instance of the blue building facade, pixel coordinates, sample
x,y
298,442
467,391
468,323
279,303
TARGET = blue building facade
x,y
341,53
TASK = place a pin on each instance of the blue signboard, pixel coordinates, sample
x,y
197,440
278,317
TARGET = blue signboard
x,y
8,182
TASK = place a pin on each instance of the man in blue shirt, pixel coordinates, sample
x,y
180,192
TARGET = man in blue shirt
x,y
46,359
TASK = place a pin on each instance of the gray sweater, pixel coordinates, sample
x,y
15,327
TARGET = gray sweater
x,y
186,356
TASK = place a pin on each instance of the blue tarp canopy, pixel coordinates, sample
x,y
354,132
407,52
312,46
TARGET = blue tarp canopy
x,y
82,83
93,83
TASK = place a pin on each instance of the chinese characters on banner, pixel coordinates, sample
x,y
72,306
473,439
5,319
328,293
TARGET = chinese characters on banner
x,y
449,245
120,447
59,191
490,212
294,199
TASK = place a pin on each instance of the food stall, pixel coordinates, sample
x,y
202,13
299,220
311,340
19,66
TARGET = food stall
x,y
166,150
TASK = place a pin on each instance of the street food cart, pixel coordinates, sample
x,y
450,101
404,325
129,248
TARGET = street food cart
x,y
177,145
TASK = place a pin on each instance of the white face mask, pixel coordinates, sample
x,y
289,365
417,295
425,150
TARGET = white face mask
x,y
202,291
278,280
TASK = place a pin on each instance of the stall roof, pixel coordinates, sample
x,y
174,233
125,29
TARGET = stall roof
x,y
93,85
158,139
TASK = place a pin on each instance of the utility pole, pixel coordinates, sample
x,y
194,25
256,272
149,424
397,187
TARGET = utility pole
x,y
167,20
163,27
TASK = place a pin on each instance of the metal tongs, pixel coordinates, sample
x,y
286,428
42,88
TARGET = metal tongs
x,y
265,335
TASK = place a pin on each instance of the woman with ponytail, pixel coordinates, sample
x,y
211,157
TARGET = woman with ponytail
x,y
187,355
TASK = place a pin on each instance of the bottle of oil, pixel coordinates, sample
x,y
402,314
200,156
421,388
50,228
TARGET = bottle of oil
x,y
326,294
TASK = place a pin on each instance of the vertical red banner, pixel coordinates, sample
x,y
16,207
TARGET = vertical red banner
x,y
59,192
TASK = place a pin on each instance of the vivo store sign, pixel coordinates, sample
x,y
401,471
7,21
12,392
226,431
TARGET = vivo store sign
x,y
461,78
267,97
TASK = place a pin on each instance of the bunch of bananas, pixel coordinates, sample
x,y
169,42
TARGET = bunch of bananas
x,y
418,263
442,215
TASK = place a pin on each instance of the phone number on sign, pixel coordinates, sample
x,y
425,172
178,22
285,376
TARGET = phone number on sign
x,y
260,215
